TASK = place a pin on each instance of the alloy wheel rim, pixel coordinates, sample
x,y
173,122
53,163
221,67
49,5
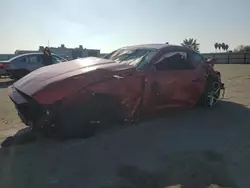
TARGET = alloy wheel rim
x,y
213,95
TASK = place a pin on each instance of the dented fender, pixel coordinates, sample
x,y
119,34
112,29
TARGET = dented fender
x,y
128,91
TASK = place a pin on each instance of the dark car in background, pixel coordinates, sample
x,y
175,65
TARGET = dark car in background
x,y
3,66
21,65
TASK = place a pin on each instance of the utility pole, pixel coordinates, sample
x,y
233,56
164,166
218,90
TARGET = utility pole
x,y
48,43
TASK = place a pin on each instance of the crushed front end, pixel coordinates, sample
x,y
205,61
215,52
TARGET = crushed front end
x,y
30,112
222,85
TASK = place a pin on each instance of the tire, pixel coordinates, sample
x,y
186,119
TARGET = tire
x,y
86,119
211,94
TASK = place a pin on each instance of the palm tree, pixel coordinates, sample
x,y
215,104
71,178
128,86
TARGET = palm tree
x,y
191,43
226,47
216,46
223,45
219,46
242,48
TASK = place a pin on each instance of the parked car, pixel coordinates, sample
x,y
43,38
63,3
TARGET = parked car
x,y
126,84
21,65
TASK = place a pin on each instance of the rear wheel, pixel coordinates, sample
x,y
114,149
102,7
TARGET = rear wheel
x,y
211,94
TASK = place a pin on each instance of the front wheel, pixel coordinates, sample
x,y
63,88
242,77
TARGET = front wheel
x,y
211,94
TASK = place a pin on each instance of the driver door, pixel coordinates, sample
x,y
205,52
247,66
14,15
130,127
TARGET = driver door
x,y
173,82
34,62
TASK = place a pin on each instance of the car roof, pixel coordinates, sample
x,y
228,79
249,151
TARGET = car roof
x,y
33,53
152,46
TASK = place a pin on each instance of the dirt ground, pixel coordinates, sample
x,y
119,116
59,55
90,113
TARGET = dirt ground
x,y
194,148
9,121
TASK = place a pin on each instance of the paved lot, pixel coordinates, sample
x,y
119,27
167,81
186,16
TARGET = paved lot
x,y
196,147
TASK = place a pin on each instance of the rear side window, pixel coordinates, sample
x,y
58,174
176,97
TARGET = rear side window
x,y
35,59
195,58
174,61
24,59
57,59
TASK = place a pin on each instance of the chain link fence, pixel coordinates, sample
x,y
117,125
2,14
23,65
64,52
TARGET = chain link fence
x,y
230,57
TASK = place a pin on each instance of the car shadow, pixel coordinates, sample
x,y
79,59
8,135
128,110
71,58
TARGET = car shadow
x,y
185,168
224,109
22,136
6,84
206,146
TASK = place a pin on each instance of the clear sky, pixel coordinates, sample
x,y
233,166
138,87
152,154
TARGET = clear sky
x,y
110,24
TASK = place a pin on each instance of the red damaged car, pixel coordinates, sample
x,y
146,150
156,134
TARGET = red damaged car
x,y
128,83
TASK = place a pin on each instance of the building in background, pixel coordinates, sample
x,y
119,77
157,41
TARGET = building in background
x,y
68,53
19,52
93,52
4,57
72,53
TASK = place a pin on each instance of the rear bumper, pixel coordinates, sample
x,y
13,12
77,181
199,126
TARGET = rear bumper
x,y
17,72
3,72
9,71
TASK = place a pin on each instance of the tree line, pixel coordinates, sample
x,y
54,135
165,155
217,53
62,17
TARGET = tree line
x,y
221,46
193,44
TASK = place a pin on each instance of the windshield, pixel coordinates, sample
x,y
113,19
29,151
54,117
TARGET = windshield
x,y
136,57
57,59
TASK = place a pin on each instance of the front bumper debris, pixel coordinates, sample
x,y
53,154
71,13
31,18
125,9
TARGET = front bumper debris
x,y
28,110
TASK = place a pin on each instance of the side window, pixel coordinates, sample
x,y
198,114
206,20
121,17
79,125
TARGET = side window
x,y
146,59
24,59
35,59
56,59
196,58
174,61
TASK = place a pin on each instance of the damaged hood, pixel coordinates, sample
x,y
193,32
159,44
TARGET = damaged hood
x,y
41,78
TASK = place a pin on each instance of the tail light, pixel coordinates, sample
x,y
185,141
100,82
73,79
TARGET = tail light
x,y
4,65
